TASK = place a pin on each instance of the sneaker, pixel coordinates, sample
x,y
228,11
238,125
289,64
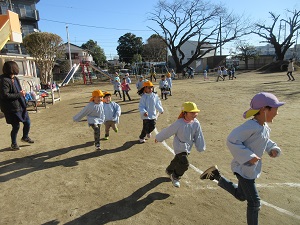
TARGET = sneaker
x,y
175,181
116,130
142,140
97,147
14,147
148,135
211,173
106,138
28,140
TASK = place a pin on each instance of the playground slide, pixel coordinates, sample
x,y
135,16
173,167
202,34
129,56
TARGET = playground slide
x,y
10,30
69,75
101,71
4,32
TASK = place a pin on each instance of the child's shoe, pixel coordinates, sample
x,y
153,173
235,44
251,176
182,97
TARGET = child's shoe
x,y
28,140
14,147
116,130
106,138
175,180
97,147
148,135
211,173
142,140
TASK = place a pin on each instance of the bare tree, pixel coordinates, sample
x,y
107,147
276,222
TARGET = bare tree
x,y
245,52
154,49
268,32
197,20
44,48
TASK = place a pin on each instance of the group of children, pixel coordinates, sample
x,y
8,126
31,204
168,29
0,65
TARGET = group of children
x,y
246,143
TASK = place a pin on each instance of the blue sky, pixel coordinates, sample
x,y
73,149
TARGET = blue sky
x,y
106,21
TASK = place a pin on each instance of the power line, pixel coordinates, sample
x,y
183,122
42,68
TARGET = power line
x,y
90,26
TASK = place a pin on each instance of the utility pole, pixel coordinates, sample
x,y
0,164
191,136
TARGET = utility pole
x,y
69,50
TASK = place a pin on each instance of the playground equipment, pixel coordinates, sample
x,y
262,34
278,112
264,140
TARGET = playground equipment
x,y
10,31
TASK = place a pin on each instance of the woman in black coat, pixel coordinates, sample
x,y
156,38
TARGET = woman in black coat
x,y
12,102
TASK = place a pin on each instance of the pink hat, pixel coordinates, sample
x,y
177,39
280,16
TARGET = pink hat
x,y
260,100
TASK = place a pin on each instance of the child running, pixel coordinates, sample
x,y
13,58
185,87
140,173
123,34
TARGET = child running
x,y
148,105
187,131
112,112
247,143
117,86
125,89
95,115
164,87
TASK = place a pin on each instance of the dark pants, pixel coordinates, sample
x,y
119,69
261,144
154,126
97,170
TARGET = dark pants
x,y
244,190
290,75
116,91
96,128
15,129
148,127
126,92
178,165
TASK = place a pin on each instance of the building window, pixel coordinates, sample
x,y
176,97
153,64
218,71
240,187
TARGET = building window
x,y
27,29
26,11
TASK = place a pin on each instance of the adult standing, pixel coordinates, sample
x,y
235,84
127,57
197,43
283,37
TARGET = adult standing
x,y
12,102
290,70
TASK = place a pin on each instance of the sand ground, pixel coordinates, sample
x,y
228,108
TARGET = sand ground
x,y
61,179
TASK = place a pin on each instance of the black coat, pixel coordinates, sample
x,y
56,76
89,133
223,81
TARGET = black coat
x,y
11,100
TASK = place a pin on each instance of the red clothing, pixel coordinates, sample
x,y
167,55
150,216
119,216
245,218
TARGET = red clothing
x,y
125,86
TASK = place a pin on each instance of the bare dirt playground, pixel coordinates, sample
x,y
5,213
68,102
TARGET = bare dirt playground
x,y
61,179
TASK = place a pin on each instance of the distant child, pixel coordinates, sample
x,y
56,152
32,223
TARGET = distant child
x,y
139,84
148,105
205,75
290,70
95,115
173,74
164,87
128,80
247,143
117,86
125,89
187,131
112,112
152,72
169,79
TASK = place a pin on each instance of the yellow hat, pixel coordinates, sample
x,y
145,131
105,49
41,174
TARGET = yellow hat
x,y
96,93
106,93
188,107
147,84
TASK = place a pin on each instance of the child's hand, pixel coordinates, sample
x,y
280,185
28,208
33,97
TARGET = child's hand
x,y
146,114
273,153
254,160
155,141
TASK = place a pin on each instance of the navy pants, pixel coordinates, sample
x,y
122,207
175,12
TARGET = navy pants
x,y
244,190
15,130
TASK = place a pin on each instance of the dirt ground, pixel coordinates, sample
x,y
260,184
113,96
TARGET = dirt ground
x,y
61,179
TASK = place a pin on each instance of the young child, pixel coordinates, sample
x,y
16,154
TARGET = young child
x,y
247,143
290,70
169,79
117,86
139,84
164,87
205,75
125,89
128,80
187,131
95,115
112,112
148,105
